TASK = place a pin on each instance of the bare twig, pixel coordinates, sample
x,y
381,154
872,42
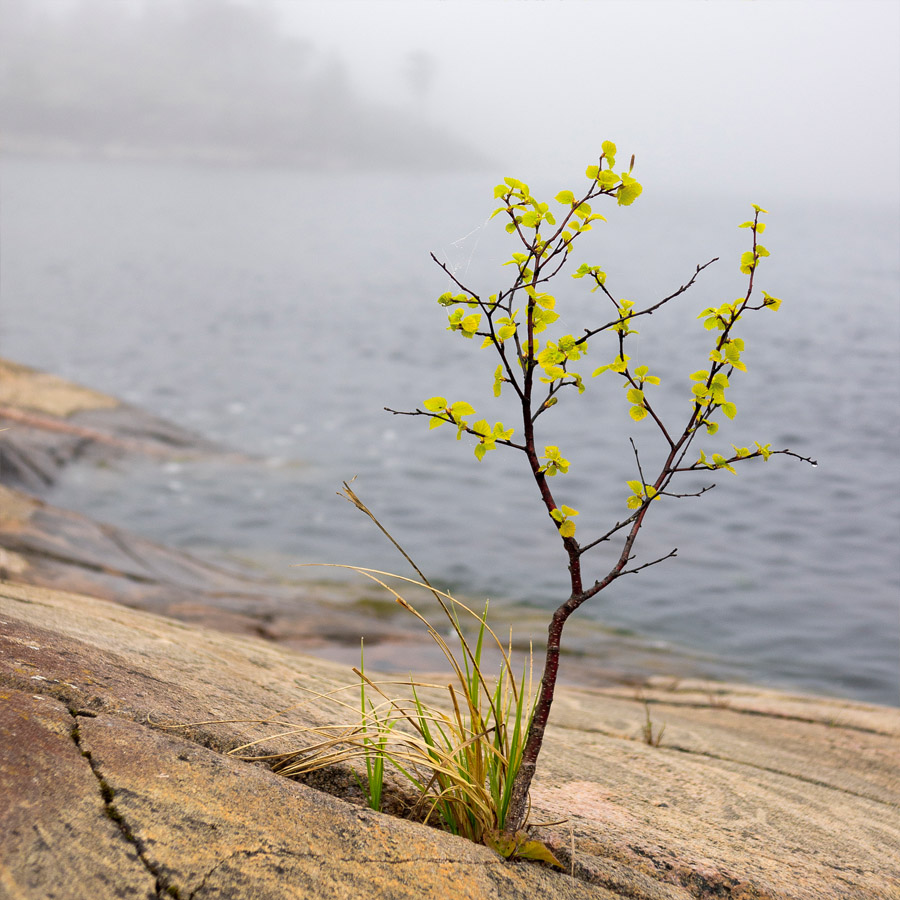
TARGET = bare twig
x,y
605,537
454,279
647,311
672,553
637,459
708,487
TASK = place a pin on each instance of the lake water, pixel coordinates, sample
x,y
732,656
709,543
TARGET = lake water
x,y
280,311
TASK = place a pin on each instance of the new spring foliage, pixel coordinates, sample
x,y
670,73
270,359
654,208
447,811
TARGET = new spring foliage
x,y
516,325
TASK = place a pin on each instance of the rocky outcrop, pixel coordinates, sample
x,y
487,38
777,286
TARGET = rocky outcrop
x,y
49,422
116,725
45,546
129,672
105,801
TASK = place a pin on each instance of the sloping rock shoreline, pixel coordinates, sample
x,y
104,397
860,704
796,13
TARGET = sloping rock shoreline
x,y
48,424
752,794
119,706
84,676
51,423
43,545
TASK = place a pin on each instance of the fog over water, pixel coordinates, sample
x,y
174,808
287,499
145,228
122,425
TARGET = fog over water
x,y
192,191
755,99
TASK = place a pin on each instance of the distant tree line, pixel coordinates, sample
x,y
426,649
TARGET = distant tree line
x,y
205,79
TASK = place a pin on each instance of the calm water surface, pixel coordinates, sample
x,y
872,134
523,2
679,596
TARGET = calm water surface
x,y
280,311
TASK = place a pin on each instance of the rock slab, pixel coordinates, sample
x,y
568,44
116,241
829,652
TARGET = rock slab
x,y
751,794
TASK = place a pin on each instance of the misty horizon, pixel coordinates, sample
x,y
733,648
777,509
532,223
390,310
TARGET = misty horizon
x,y
207,81
752,99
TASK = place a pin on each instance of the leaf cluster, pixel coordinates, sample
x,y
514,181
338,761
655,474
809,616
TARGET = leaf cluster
x,y
512,323
461,757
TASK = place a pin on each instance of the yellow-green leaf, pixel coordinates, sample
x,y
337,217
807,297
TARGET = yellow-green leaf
x,y
498,379
461,408
470,323
502,844
637,413
607,179
629,192
538,851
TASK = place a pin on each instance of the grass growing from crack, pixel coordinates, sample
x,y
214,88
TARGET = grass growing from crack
x,y
376,727
461,758
652,737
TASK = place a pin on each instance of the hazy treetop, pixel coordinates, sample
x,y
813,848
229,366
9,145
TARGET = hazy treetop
x,y
758,95
747,97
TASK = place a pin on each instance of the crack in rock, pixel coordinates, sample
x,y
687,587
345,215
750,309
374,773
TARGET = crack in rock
x,y
816,782
707,754
165,889
283,853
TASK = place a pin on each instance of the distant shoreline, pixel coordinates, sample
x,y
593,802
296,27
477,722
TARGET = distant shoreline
x,y
71,151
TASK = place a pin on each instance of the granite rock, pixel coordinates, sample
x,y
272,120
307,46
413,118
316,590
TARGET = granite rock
x,y
117,726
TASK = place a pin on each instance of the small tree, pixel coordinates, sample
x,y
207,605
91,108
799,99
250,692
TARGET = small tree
x,y
537,370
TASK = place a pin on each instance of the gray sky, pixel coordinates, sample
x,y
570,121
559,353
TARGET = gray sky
x,y
746,97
